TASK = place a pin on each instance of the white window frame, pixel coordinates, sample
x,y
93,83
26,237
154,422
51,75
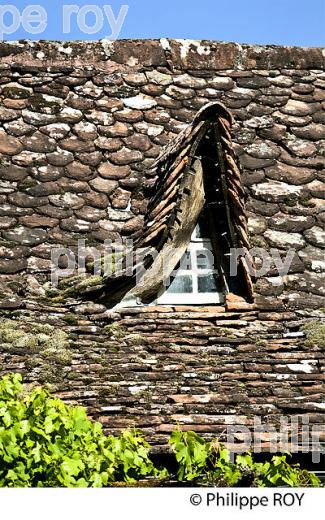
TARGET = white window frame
x,y
194,297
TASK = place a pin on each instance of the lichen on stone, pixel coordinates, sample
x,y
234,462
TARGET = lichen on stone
x,y
70,319
315,334
91,281
307,202
138,339
110,263
74,286
261,343
116,330
46,349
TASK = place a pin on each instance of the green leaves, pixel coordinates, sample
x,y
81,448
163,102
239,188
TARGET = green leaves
x,y
45,443
245,461
279,472
131,453
191,453
210,464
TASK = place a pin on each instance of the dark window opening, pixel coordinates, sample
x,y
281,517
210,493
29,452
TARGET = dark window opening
x,y
216,215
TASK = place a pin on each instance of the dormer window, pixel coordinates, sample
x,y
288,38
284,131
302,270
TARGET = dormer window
x,y
194,221
195,279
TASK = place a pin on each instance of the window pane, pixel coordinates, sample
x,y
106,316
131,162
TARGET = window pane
x,y
181,284
207,284
204,259
202,229
185,262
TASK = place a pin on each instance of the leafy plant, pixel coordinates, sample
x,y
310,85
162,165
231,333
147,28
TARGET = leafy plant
x,y
131,454
210,464
44,442
279,472
224,470
191,452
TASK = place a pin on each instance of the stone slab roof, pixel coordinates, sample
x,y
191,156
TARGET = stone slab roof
x,y
179,54
81,125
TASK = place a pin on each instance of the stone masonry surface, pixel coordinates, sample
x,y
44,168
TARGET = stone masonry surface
x,y
80,126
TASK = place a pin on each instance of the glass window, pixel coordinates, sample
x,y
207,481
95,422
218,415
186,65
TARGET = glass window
x,y
194,279
207,284
186,263
181,284
202,229
204,259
